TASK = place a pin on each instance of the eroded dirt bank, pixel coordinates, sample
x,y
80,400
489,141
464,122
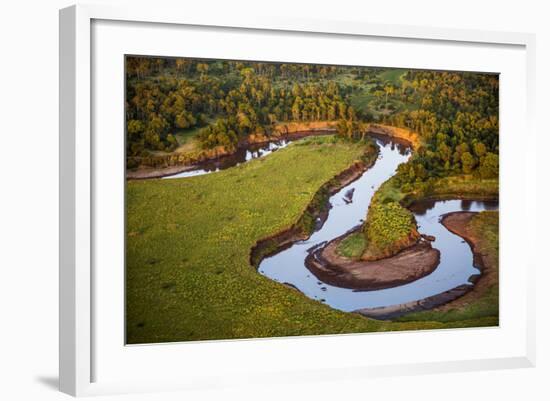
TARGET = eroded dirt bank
x,y
290,131
401,135
457,223
406,266
175,163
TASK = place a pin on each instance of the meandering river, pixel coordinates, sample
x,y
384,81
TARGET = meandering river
x,y
456,264
288,266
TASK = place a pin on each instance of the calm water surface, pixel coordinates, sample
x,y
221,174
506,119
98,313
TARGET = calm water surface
x,y
456,264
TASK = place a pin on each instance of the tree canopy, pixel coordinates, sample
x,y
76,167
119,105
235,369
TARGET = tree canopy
x,y
455,113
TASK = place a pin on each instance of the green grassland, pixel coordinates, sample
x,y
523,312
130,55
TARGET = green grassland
x,y
185,136
393,75
364,100
188,274
452,187
462,186
352,246
188,270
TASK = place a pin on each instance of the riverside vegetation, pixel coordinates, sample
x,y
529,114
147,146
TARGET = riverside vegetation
x,y
188,241
484,228
189,275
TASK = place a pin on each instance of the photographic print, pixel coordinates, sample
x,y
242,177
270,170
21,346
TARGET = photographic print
x,y
269,199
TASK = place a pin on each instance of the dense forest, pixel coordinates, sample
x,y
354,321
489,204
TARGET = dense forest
x,y
199,231
220,103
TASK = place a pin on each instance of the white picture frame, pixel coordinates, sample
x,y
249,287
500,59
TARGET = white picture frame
x,y
78,161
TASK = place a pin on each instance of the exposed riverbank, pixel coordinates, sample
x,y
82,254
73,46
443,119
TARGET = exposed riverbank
x,y
194,242
398,134
316,212
461,224
406,266
390,228
393,244
175,162
191,239
413,260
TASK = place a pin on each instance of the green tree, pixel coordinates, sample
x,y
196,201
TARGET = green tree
x,y
412,174
468,162
388,90
444,152
488,167
135,128
480,149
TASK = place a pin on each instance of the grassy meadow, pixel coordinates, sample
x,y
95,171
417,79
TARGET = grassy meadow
x,y
189,240
190,274
188,246
352,246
